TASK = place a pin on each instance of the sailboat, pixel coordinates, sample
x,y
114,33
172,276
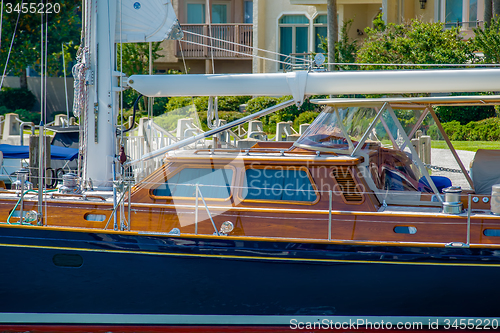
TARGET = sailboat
x,y
343,229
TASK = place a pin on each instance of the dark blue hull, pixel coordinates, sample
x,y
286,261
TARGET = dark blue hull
x,y
181,280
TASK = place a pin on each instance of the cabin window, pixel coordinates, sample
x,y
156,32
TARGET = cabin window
x,y
213,183
278,184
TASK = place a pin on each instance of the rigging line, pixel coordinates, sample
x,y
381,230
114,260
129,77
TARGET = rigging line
x,y
44,142
46,67
183,60
412,65
1,24
121,78
247,46
210,34
10,48
236,52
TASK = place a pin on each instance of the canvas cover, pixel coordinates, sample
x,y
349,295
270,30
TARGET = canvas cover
x,y
57,153
485,170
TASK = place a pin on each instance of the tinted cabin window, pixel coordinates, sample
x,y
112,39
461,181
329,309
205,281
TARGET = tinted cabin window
x,y
213,183
277,185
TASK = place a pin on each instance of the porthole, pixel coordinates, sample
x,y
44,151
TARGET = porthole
x,y
492,232
405,230
67,260
95,217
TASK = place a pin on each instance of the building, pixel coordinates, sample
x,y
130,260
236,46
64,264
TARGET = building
x,y
466,14
286,31
228,20
294,27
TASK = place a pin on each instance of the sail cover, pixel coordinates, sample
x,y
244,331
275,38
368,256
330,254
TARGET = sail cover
x,y
56,153
146,21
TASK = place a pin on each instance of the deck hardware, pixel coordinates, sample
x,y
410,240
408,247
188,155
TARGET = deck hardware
x,y
282,152
452,203
174,232
31,216
318,153
20,185
486,199
475,199
212,151
456,244
130,181
70,184
114,209
469,204
330,197
226,228
196,212
247,152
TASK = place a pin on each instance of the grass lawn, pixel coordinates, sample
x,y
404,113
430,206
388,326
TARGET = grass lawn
x,y
467,145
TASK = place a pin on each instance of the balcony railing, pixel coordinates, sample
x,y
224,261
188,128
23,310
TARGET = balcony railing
x,y
235,33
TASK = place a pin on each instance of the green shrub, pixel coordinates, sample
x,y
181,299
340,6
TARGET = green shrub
x,y
483,130
17,98
175,103
305,118
225,103
232,103
29,116
228,116
159,105
464,114
433,132
260,103
4,109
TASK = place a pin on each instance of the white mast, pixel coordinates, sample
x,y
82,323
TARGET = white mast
x,y
101,138
143,21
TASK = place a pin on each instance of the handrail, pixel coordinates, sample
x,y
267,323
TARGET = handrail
x,y
21,129
207,134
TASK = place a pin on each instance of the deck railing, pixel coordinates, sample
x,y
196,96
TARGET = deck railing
x,y
235,33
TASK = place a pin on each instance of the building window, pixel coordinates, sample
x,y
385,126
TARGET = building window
x,y
195,13
294,36
220,13
320,31
248,12
213,183
459,13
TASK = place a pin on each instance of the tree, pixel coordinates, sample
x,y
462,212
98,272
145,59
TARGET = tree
x,y
491,10
64,26
136,57
332,31
345,49
487,40
414,43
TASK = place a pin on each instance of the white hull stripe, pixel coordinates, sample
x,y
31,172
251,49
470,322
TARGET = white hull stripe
x,y
152,319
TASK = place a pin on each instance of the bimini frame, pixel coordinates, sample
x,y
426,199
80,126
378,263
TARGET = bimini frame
x,y
425,103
